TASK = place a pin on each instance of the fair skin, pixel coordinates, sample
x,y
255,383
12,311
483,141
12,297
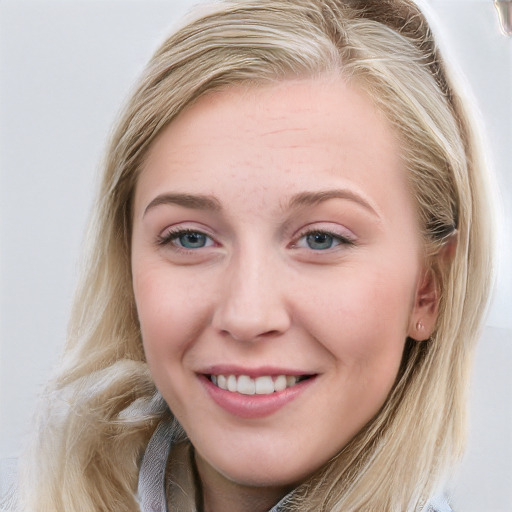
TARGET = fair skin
x,y
274,234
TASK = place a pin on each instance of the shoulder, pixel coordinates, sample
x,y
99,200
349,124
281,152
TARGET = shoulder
x,y
8,487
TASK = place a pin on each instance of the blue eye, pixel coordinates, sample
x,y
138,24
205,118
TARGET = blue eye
x,y
192,240
186,239
322,241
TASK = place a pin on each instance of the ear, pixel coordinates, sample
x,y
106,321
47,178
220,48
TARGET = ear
x,y
426,306
428,293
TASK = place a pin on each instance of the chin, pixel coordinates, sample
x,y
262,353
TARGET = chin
x,y
264,472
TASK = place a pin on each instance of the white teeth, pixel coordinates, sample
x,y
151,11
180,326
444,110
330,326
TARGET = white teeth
x,y
221,381
280,383
264,385
232,385
246,385
291,380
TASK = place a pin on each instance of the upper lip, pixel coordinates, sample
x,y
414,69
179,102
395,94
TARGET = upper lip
x,y
228,369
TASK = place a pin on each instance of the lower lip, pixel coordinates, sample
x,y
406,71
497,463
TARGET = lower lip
x,y
254,406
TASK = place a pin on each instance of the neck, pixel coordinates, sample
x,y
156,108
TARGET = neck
x,y
221,494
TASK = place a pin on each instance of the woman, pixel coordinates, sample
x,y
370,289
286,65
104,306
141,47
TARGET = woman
x,y
288,268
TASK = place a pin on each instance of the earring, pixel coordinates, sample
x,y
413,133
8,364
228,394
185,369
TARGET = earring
x,y
419,326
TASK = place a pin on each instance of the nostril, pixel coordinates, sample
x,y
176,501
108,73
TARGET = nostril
x,y
249,323
250,335
270,334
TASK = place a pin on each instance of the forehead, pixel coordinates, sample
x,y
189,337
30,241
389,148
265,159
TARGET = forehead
x,y
276,112
296,134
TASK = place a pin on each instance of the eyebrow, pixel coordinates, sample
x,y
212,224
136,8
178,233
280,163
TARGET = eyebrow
x,y
314,198
196,202
210,203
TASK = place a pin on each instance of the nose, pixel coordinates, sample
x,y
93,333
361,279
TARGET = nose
x,y
252,303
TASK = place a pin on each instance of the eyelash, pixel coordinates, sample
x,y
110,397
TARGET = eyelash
x,y
341,239
172,235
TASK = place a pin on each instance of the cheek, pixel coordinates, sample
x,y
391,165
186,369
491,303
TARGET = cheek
x,y
361,318
170,312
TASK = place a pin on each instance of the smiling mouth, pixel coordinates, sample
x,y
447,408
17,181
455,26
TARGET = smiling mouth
x,y
264,385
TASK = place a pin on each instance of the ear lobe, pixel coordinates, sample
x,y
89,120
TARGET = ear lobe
x,y
426,305
428,293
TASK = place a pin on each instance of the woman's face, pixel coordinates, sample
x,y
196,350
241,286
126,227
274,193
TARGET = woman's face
x,y
277,272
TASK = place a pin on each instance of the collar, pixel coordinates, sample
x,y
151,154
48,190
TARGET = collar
x,y
170,453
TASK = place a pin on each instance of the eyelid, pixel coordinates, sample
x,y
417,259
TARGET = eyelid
x,y
343,234
171,233
187,226
168,235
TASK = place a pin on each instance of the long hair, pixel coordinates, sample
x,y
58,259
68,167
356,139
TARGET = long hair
x,y
101,409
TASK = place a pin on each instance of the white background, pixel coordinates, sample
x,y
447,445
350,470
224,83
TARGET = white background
x,y
65,68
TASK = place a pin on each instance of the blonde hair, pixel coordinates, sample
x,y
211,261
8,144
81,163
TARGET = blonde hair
x,y
102,408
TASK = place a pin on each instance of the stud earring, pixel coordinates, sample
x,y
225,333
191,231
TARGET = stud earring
x,y
419,325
